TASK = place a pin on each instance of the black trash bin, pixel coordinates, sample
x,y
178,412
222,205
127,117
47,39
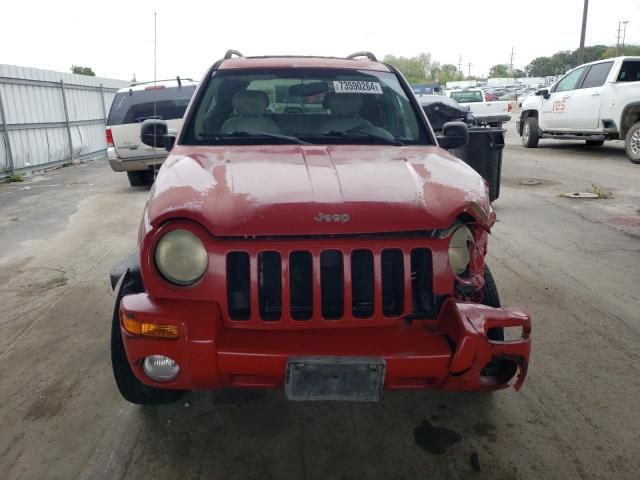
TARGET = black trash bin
x,y
483,153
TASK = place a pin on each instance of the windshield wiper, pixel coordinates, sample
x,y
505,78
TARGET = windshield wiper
x,y
363,133
248,134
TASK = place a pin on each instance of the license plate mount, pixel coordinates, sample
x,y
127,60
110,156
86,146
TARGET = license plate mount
x,y
334,378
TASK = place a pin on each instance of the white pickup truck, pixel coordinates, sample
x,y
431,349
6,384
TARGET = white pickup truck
x,y
492,113
595,102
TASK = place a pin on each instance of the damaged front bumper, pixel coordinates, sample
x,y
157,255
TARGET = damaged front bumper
x,y
478,362
454,352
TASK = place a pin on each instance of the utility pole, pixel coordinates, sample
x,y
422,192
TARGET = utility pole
x,y
618,37
511,63
584,30
624,34
511,67
469,64
460,63
155,61
155,46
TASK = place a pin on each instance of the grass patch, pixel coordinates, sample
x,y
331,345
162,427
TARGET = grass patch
x,y
59,281
599,191
15,177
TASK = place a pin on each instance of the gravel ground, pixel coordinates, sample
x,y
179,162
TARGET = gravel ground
x,y
573,263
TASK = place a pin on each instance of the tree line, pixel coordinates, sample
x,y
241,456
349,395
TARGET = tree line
x,y
79,70
423,69
560,62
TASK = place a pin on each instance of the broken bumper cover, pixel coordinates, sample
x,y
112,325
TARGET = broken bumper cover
x,y
478,363
450,353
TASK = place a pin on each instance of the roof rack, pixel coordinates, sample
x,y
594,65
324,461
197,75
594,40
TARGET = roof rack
x,y
369,55
230,53
177,78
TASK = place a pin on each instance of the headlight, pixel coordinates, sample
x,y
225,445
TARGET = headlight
x,y
460,249
181,257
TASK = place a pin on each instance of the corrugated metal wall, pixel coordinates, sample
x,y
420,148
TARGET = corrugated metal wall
x,y
36,132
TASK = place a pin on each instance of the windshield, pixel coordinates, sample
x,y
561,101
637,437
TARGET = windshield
x,y
467,97
322,106
135,106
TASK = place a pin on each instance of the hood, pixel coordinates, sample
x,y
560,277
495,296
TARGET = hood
x,y
311,190
530,101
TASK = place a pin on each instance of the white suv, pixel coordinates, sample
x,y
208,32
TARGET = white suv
x,y
164,100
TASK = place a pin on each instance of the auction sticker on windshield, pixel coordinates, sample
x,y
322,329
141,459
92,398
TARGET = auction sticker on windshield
x,y
354,86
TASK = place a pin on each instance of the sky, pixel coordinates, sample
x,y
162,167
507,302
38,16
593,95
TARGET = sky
x,y
115,37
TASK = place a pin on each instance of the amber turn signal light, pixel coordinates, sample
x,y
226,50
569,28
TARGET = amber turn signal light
x,y
134,327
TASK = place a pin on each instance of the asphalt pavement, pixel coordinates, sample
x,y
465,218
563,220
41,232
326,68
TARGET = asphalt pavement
x,y
574,263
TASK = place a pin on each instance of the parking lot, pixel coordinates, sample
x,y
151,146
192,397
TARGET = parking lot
x,y
573,263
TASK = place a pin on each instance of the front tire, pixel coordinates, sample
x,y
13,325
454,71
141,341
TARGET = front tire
x,y
530,133
129,386
501,369
632,143
491,298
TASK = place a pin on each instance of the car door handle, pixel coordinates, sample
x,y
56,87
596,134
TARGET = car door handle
x,y
566,98
595,94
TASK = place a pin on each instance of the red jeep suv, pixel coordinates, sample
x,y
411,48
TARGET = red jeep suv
x,y
309,232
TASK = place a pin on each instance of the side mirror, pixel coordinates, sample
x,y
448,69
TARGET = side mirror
x,y
454,135
154,133
544,92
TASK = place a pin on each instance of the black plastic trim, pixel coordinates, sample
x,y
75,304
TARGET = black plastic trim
x,y
623,130
230,53
414,101
195,100
128,265
589,67
363,53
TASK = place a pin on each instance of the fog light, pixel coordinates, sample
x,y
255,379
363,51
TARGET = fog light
x,y
160,368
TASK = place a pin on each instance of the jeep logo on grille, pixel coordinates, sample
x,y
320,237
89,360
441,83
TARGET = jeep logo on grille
x,y
333,217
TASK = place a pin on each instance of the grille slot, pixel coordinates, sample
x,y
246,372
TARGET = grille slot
x,y
392,282
386,283
332,284
301,285
422,301
238,295
362,286
270,285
